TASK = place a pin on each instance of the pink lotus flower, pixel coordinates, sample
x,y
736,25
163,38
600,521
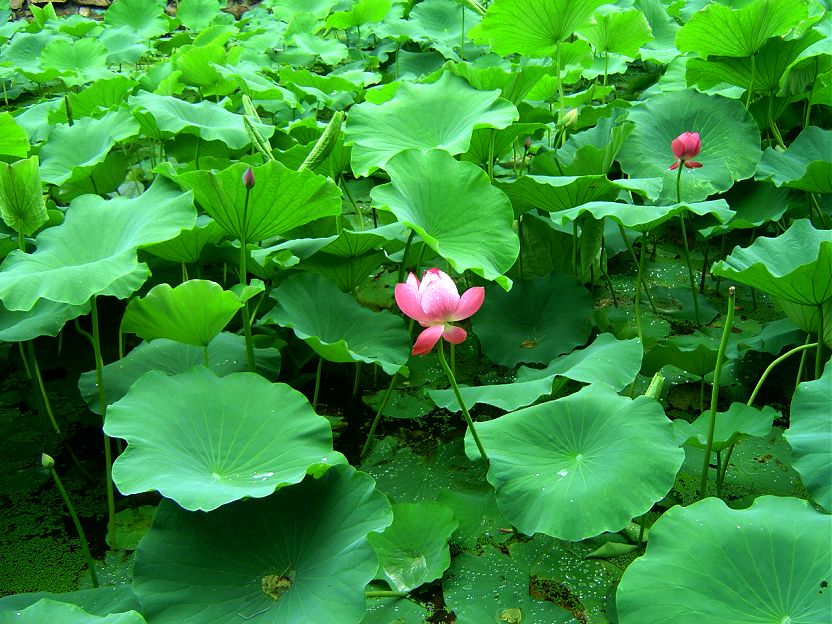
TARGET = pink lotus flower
x,y
685,147
434,302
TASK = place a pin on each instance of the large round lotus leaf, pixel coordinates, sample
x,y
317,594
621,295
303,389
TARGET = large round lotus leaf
x,y
226,355
619,31
607,360
533,27
720,30
72,152
795,266
708,563
101,601
76,62
810,436
195,312
145,18
414,549
495,588
47,610
205,441
395,611
694,353
439,24
78,259
45,319
281,200
188,246
804,165
740,419
730,142
452,206
207,120
644,218
441,115
299,556
336,326
535,322
21,196
597,458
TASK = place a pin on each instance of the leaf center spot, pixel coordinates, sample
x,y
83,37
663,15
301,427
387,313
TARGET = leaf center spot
x,y
275,585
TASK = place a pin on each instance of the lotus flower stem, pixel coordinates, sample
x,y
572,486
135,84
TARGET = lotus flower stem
x,y
750,85
356,383
559,82
802,348
317,383
36,376
799,376
637,301
384,400
102,408
244,281
635,260
723,346
49,463
459,400
403,266
383,593
685,247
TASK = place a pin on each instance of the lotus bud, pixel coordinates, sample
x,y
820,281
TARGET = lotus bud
x,y
527,143
570,118
46,461
685,147
248,178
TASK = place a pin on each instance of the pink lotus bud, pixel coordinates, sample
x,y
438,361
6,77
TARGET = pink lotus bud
x,y
434,302
248,178
685,147
527,143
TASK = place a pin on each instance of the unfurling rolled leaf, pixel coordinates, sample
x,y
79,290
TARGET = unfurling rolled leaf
x,y
325,144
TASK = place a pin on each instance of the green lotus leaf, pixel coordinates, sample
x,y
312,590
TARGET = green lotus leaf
x,y
620,31
495,588
195,312
46,318
13,138
662,49
336,326
810,436
482,150
601,458
532,27
21,196
514,83
441,115
454,209
226,355
720,30
645,218
695,354
763,75
795,266
729,135
808,319
213,440
362,12
76,62
144,18
414,549
346,273
607,360
101,601
281,200
740,419
439,24
163,116
356,243
706,562
592,151
755,204
72,152
46,610
196,15
804,165
299,555
556,193
395,611
535,322
187,247
122,45
74,262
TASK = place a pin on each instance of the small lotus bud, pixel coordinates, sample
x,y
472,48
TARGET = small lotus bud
x,y
248,178
571,117
46,461
527,143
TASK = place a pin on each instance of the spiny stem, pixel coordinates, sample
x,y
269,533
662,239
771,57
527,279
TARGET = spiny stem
x,y
723,346
317,383
243,283
459,400
30,347
639,277
685,246
819,351
384,400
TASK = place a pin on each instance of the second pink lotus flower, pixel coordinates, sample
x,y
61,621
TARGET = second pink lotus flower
x,y
434,302
685,147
